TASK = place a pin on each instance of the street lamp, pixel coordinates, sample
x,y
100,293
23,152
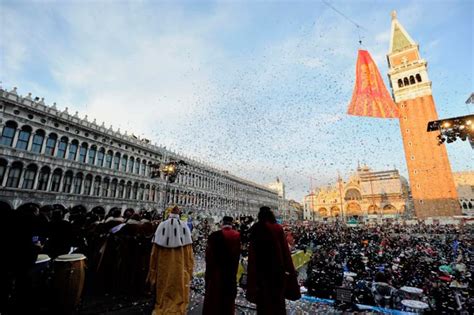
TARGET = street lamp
x,y
171,170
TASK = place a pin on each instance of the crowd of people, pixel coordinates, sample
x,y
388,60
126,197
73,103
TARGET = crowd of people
x,y
379,262
117,247
374,262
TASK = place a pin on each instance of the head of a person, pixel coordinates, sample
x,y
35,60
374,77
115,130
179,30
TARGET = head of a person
x,y
266,215
227,220
115,213
30,210
135,217
147,215
175,210
380,277
128,213
56,215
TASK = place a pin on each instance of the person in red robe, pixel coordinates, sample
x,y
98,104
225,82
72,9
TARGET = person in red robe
x,y
271,274
222,262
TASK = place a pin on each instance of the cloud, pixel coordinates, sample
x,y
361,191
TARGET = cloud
x,y
260,89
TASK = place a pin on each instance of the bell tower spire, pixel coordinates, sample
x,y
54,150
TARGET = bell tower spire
x,y
431,180
407,70
399,39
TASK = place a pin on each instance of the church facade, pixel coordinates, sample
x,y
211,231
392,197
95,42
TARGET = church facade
x,y
366,195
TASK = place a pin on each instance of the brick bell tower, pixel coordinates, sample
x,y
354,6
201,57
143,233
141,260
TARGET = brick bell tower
x,y
431,180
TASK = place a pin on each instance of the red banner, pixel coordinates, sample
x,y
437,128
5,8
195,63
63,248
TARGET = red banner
x,y
370,97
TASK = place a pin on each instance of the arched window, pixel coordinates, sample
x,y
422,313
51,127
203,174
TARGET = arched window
x,y
148,169
14,175
143,167
51,144
77,183
113,188
128,190
418,77
23,138
400,83
117,161
405,82
97,184
130,165
8,133
135,189
140,192
67,182
100,157
73,150
137,166
352,194
29,176
412,79
108,159
124,163
88,184
56,179
38,139
3,169
152,193
121,188
43,178
146,192
92,153
83,152
105,187
62,147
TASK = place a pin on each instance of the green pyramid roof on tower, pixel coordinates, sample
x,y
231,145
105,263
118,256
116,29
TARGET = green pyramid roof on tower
x,y
400,39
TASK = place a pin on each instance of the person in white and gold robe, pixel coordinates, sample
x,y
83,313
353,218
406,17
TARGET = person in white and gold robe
x,y
171,265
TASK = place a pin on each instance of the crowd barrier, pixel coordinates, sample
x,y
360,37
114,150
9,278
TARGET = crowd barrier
x,y
361,307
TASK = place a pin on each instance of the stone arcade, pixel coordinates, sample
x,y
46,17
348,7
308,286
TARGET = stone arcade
x,y
51,157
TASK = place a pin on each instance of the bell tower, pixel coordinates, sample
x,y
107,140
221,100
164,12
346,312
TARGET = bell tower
x,y
431,180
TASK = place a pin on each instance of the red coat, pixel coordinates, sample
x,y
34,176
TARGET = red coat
x,y
222,261
269,261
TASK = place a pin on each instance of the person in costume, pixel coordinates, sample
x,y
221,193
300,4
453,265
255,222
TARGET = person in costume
x,y
271,273
222,261
171,265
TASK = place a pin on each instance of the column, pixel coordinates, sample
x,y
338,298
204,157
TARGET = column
x,y
15,137
56,145
67,149
22,178
61,182
87,157
78,154
43,145
95,161
30,141
109,190
48,184
82,184
35,181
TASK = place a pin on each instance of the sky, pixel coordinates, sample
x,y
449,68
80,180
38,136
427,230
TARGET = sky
x,y
258,88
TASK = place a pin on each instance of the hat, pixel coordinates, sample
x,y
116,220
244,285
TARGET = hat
x,y
227,220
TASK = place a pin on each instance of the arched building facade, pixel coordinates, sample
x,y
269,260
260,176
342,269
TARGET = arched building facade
x,y
366,195
50,157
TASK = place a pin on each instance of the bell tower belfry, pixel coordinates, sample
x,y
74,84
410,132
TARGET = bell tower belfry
x,y
431,180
